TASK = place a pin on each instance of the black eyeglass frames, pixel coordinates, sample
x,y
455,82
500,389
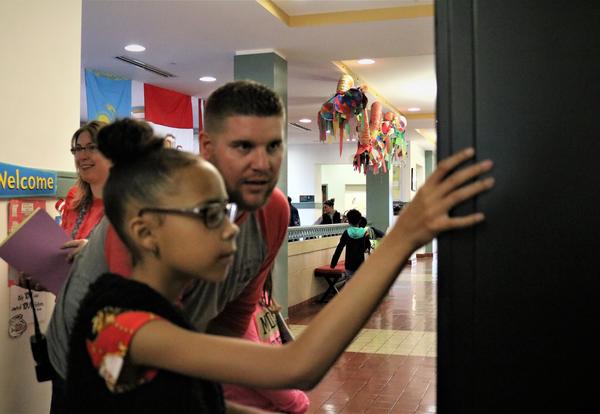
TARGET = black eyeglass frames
x,y
212,214
88,148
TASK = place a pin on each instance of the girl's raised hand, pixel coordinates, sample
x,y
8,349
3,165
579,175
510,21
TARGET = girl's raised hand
x,y
427,214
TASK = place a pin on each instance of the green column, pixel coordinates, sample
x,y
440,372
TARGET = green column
x,y
270,69
379,199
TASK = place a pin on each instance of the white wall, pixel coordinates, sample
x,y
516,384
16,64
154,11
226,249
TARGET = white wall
x,y
304,172
39,111
416,156
416,159
337,177
417,162
309,164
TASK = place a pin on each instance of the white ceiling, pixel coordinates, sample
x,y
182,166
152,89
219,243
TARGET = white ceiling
x,y
201,37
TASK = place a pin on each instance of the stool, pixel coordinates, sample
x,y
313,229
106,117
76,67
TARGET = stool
x,y
333,277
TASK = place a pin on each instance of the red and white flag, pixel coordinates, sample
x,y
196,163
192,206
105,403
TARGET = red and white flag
x,y
170,112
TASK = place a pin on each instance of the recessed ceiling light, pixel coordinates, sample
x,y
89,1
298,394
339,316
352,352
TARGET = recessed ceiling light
x,y
366,61
413,109
135,48
207,79
305,121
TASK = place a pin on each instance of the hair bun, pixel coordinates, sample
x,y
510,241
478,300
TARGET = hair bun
x,y
127,141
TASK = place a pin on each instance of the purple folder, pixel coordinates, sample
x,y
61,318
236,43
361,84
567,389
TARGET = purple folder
x,y
35,248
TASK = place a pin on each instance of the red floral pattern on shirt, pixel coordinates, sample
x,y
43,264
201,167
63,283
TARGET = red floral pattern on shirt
x,y
112,331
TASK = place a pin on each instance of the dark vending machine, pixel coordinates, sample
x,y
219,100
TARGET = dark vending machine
x,y
518,295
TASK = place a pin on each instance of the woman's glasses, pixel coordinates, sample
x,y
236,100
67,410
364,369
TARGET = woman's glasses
x,y
78,149
212,214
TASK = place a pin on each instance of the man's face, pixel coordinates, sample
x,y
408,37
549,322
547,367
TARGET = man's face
x,y
248,153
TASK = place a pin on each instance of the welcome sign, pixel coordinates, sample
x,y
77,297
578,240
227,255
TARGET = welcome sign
x,y
17,181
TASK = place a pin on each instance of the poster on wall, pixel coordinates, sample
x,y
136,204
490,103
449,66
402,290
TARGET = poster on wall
x,y
20,314
19,210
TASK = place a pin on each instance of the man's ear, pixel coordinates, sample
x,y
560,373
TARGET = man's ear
x,y
206,145
141,231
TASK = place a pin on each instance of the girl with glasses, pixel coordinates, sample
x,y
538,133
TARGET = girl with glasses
x,y
132,350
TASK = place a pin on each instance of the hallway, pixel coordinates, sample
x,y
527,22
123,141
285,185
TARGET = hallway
x,y
390,366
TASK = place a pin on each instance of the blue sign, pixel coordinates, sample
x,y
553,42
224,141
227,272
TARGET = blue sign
x,y
17,182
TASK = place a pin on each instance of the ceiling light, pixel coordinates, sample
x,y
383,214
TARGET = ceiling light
x,y
135,48
305,121
207,79
413,109
366,61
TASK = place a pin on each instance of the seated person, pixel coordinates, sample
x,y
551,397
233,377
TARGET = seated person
x,y
356,241
330,214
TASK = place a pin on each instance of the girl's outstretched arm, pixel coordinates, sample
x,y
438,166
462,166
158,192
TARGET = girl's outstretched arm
x,y
302,363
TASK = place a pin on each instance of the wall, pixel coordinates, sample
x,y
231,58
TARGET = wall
x,y
303,258
416,157
39,111
304,172
338,177
308,164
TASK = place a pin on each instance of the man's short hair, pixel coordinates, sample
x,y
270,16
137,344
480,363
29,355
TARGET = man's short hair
x,y
243,97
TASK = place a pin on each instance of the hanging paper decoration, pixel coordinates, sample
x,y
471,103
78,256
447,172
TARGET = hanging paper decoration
x,y
394,126
341,114
364,154
382,141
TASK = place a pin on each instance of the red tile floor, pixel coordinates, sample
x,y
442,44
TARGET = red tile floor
x,y
390,367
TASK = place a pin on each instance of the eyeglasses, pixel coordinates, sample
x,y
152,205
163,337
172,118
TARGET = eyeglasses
x,y
90,149
212,214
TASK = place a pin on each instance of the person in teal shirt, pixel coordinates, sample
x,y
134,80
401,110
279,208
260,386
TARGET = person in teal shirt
x,y
356,240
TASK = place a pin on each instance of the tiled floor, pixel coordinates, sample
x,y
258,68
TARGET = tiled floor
x,y
390,366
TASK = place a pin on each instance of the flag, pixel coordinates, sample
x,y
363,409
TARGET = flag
x,y
108,97
200,114
170,112
200,122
